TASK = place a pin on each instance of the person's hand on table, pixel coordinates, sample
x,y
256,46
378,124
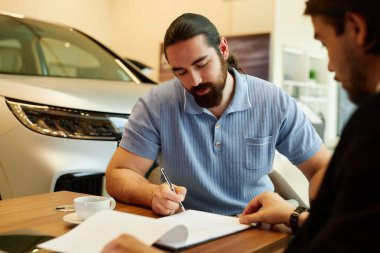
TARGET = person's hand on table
x,y
128,244
267,207
165,201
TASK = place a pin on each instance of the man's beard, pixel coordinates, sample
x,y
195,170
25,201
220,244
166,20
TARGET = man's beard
x,y
356,92
357,88
215,95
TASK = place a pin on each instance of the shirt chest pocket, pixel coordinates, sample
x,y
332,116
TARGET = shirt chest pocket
x,y
259,153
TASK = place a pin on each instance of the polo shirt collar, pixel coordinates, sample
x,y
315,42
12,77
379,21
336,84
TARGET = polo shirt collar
x,y
239,102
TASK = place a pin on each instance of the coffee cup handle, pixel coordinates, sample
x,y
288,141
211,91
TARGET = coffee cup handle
x,y
112,203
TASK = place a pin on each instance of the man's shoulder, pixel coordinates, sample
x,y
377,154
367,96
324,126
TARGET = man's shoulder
x,y
263,88
256,83
168,89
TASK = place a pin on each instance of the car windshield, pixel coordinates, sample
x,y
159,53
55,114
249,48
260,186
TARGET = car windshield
x,y
30,47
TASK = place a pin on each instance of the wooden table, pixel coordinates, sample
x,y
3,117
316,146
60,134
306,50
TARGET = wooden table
x,y
38,213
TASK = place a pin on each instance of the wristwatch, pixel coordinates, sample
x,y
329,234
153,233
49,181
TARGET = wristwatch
x,y
293,221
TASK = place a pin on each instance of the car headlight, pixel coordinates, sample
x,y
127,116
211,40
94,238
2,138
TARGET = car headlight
x,y
68,123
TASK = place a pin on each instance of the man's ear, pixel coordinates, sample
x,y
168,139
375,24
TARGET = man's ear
x,y
357,26
224,48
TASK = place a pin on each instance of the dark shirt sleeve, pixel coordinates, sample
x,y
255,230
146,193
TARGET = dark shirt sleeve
x,y
345,216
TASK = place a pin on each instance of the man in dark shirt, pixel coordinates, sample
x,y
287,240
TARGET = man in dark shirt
x,y
345,214
347,207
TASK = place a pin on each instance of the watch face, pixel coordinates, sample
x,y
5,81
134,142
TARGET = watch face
x,y
21,243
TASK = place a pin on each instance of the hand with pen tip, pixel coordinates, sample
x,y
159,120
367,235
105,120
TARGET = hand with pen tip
x,y
168,198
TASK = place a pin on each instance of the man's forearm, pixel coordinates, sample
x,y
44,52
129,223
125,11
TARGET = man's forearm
x,y
130,187
315,183
314,169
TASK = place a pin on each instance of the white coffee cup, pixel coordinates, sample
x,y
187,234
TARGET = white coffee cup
x,y
88,205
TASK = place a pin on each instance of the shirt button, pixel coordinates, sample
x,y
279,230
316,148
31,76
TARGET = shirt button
x,y
217,126
217,144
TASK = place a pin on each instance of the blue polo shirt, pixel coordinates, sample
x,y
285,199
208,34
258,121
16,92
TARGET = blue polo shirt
x,y
222,162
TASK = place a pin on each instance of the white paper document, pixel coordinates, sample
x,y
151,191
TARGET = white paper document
x,y
174,232
201,227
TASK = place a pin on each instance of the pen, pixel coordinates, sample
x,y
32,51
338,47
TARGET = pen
x,y
171,187
65,208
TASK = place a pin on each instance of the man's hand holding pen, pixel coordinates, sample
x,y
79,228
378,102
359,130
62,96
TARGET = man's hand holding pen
x,y
167,198
167,202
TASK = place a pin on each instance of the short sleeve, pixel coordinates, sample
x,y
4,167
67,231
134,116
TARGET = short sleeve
x,y
141,133
298,139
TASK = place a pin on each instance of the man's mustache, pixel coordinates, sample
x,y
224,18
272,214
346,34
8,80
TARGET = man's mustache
x,y
200,87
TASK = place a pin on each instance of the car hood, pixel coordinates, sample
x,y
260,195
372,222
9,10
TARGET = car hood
x,y
86,94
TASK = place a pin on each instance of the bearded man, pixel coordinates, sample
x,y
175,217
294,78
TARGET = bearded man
x,y
213,128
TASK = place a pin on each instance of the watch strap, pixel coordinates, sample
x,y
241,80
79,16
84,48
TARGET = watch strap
x,y
293,221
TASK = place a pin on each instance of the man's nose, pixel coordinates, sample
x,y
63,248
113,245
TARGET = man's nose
x,y
330,66
195,78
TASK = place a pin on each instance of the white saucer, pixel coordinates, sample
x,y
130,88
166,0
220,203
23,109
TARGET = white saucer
x,y
72,218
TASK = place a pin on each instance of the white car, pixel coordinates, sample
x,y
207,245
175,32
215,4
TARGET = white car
x,y
64,100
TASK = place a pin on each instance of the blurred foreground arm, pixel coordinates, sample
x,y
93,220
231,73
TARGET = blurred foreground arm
x,y
128,244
